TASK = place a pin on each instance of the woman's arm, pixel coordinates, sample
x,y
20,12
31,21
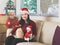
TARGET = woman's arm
x,y
34,30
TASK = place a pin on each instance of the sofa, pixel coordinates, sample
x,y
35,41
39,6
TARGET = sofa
x,y
45,33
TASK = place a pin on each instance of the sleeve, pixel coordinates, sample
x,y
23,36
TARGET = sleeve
x,y
15,28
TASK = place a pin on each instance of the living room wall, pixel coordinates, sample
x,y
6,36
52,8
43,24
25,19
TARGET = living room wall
x,y
2,6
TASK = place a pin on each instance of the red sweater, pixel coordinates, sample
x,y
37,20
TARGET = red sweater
x,y
11,22
24,27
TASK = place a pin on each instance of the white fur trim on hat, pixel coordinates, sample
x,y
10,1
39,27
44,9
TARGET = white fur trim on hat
x,y
23,12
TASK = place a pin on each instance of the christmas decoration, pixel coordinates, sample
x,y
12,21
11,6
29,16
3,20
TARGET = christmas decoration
x,y
10,7
28,34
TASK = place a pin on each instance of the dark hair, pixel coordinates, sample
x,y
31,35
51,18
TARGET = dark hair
x,y
22,21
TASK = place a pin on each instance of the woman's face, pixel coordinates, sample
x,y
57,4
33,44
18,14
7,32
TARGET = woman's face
x,y
24,15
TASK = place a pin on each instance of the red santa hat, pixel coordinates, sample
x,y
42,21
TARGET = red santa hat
x,y
24,10
29,26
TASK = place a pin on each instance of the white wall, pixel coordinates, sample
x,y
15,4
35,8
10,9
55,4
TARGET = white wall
x,y
18,6
2,5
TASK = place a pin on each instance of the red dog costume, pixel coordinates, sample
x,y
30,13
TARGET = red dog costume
x,y
28,34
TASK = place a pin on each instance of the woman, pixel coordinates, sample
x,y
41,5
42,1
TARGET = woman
x,y
20,29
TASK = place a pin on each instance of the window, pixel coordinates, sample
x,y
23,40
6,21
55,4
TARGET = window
x,y
30,4
49,7
39,7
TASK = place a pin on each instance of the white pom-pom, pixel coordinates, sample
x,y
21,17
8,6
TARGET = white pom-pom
x,y
28,29
27,39
8,22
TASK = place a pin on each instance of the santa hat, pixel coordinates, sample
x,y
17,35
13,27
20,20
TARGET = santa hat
x,y
24,10
29,26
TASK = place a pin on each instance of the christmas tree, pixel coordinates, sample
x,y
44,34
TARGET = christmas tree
x,y
10,5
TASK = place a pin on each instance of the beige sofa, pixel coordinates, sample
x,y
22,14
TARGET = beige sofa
x,y
45,29
45,33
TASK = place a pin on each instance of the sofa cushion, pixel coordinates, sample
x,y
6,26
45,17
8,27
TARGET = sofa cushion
x,y
48,31
30,43
56,38
39,25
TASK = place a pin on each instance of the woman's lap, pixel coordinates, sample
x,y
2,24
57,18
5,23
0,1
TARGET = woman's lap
x,y
9,40
13,41
18,40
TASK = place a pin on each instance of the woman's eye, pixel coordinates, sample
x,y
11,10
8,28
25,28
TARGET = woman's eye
x,y
26,14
